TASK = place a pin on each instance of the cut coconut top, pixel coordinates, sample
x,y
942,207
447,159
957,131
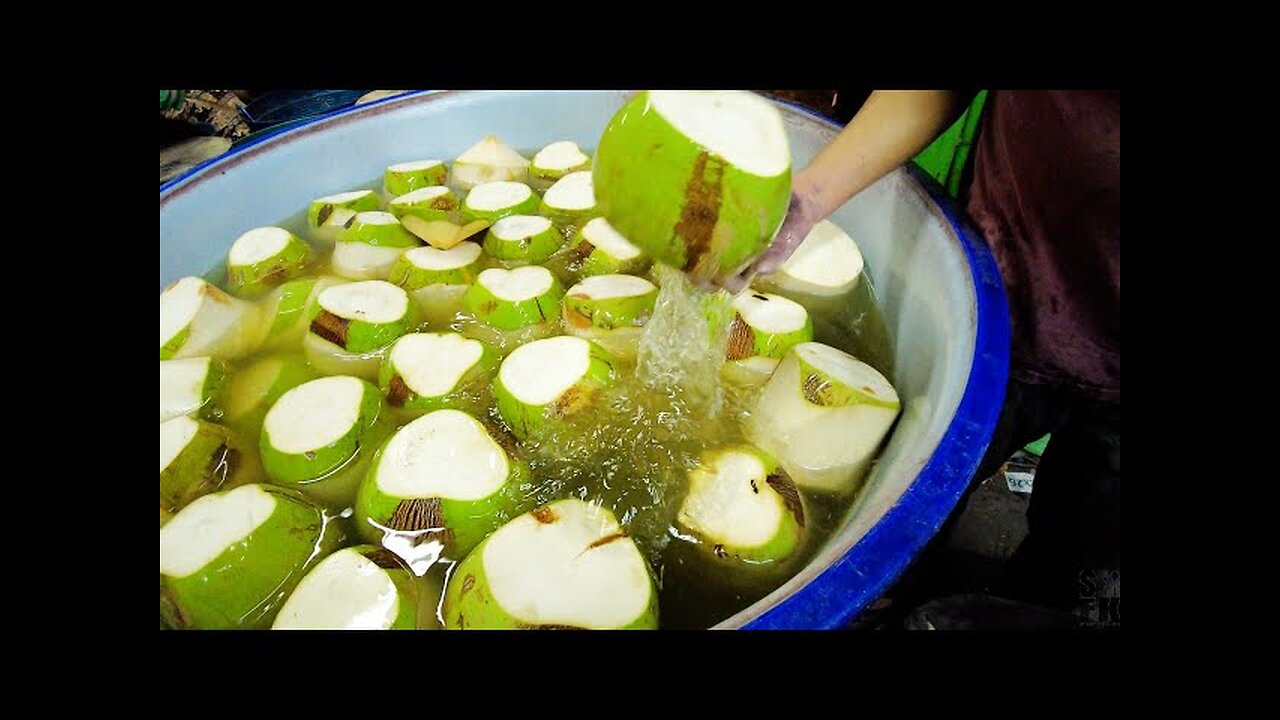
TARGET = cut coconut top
x,y
560,155
770,313
182,385
373,301
498,195
174,436
420,195
567,564
522,283
315,414
729,500
179,304
377,217
741,127
446,454
541,371
412,166
429,258
257,245
492,151
601,287
345,197
842,366
208,526
519,227
828,257
574,191
601,234
431,364
346,591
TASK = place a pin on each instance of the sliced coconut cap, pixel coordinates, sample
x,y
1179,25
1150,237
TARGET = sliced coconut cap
x,y
603,287
445,454
828,257
377,217
541,371
731,501
574,191
421,194
559,156
179,304
601,234
315,414
522,283
741,127
429,258
519,227
346,591
209,525
413,166
498,195
345,197
431,364
372,301
770,313
857,376
257,245
174,436
494,152
182,386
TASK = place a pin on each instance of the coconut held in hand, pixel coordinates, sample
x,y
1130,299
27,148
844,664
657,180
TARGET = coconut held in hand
x,y
699,180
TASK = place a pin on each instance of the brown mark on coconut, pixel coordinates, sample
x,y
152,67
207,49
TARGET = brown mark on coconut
x,y
607,539
741,343
398,392
331,327
383,558
545,515
790,495
417,514
700,214
324,214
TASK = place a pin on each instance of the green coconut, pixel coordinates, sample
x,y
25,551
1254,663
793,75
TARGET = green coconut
x,y
512,299
407,177
435,202
438,279
196,457
766,325
522,239
365,587
700,180
602,250
571,201
370,245
190,386
489,160
550,379
197,319
431,371
566,565
330,215
288,309
440,478
254,388
610,310
353,324
824,414
228,560
557,160
263,258
493,201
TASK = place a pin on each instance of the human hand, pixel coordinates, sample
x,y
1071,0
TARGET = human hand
x,y
795,227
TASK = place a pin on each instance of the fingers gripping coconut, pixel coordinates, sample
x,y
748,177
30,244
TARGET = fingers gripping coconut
x,y
567,565
699,180
365,587
440,478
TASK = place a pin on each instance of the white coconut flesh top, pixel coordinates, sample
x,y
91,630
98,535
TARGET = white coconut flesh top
x,y
741,127
572,192
603,287
174,436
541,371
208,526
357,258
498,195
431,364
179,304
828,257
547,572
770,313
445,454
723,504
847,369
420,195
429,258
524,283
559,155
413,166
257,245
371,301
182,386
338,217
342,198
377,217
346,591
314,415
601,234
758,364
492,151
519,227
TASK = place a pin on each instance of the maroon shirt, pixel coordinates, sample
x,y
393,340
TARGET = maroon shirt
x,y
1046,194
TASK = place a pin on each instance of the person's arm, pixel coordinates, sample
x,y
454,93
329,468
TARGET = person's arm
x,y
890,128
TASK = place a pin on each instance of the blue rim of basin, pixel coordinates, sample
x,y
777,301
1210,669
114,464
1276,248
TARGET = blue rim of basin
x,y
836,595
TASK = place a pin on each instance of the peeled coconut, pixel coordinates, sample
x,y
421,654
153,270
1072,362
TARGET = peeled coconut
x,y
495,200
365,587
196,457
288,308
700,180
604,251
431,371
189,386
512,299
550,379
353,324
827,263
406,177
522,239
198,319
489,160
329,216
610,310
370,245
438,279
566,565
257,386
558,159
263,258
766,325
571,200
823,414
435,202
